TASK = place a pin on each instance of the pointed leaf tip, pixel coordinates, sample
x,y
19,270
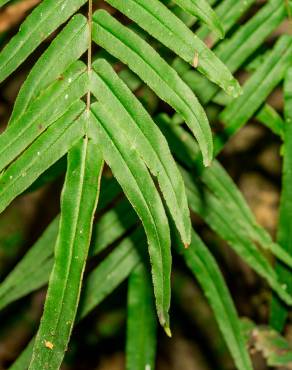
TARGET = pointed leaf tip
x,y
168,331
234,89
207,162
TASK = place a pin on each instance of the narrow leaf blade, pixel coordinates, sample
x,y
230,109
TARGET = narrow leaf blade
x,y
206,270
65,49
134,178
43,20
43,153
79,200
279,312
45,110
202,10
141,321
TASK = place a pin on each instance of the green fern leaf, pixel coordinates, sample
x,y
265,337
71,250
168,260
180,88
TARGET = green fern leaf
x,y
204,267
269,117
38,261
279,312
42,154
130,171
211,210
158,21
202,10
243,43
43,20
259,86
143,60
141,323
126,256
138,126
82,181
45,110
53,63
229,12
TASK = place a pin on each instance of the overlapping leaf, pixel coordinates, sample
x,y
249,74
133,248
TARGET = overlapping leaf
x,y
223,208
160,22
53,63
143,60
44,111
141,131
130,171
43,20
49,118
42,154
126,257
33,271
203,11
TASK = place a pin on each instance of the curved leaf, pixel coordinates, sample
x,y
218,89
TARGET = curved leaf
x,y
146,62
134,178
202,10
65,49
161,23
43,20
126,257
111,272
44,111
242,44
140,129
211,210
44,152
33,270
220,184
229,12
269,117
205,269
258,87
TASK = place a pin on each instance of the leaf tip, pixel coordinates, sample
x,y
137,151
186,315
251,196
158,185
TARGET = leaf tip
x,y
234,89
221,32
207,162
167,331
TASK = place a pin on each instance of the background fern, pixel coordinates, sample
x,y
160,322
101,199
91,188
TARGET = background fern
x,y
135,173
